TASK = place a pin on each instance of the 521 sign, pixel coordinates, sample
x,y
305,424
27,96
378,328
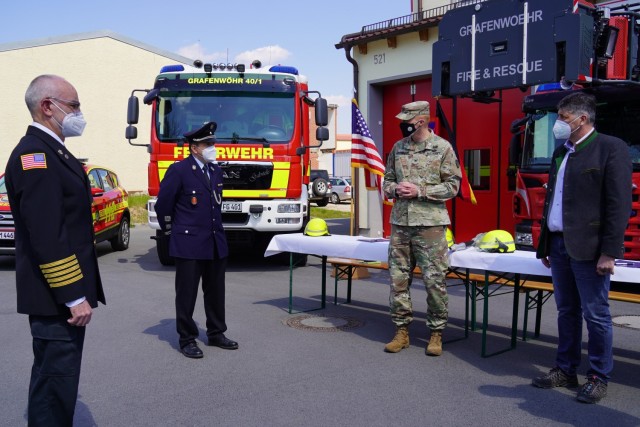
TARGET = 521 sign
x,y
379,59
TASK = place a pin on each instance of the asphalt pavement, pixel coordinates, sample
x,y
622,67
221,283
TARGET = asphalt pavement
x,y
320,368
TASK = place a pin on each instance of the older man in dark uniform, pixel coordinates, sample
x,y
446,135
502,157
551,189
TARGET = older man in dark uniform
x,y
189,208
57,277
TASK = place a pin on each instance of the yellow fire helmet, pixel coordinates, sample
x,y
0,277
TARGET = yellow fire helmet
x,y
316,227
450,239
496,241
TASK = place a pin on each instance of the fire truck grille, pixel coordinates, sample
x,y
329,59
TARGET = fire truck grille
x,y
247,176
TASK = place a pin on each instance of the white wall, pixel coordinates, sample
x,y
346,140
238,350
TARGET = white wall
x,y
104,71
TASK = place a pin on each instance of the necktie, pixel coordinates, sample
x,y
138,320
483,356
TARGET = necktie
x,y
205,170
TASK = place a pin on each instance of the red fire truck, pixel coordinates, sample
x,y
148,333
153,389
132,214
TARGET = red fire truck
x,y
553,47
262,143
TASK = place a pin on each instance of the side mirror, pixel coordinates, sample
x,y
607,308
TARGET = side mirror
x,y
322,134
96,192
515,150
131,132
133,110
150,96
322,112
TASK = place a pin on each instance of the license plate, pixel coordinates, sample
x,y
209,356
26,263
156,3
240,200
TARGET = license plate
x,y
7,235
232,207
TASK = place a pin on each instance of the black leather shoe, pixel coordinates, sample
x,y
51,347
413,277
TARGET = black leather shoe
x,y
223,342
192,351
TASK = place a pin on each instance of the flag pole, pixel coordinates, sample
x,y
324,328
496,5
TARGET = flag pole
x,y
355,176
354,202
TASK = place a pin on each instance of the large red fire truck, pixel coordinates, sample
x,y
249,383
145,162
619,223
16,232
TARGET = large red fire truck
x,y
552,47
262,142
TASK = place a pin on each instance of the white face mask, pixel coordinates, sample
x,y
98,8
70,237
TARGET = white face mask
x,y
562,130
73,124
209,154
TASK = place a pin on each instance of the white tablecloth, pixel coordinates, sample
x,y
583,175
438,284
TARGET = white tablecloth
x,y
523,262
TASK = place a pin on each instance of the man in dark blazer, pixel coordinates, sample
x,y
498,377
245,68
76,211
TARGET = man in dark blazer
x,y
57,277
586,211
189,209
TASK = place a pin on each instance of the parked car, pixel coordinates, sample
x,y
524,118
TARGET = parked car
x,y
319,187
110,210
340,189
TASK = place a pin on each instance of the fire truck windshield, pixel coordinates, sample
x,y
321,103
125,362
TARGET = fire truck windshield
x,y
618,119
539,141
241,116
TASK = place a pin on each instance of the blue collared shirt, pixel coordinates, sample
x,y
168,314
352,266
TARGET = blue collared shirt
x,y
554,221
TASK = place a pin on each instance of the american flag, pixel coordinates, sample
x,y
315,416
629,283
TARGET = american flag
x,y
33,161
364,153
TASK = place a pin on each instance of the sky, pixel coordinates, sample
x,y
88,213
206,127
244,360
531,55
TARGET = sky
x,y
298,33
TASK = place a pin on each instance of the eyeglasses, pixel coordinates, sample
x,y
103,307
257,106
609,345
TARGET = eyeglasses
x,y
74,105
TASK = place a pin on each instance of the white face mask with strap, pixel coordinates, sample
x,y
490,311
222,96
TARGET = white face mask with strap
x,y
562,130
73,123
209,154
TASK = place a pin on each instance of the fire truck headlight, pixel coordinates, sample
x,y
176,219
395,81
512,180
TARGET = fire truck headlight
x,y
287,220
289,208
524,239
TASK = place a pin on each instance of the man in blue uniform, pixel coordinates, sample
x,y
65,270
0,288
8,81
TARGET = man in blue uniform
x,y
57,277
189,208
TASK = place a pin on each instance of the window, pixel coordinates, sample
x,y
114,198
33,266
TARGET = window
x,y
107,184
94,180
478,167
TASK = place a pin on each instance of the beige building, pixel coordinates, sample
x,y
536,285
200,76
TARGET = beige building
x,y
104,67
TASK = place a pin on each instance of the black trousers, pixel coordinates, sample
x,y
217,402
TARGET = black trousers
x,y
57,356
188,275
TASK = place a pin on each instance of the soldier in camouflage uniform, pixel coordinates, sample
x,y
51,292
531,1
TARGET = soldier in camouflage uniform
x,y
422,173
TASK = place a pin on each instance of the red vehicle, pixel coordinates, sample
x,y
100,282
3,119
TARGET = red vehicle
x,y
110,210
262,139
551,47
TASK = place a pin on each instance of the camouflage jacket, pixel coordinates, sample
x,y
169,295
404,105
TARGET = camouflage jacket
x,y
433,166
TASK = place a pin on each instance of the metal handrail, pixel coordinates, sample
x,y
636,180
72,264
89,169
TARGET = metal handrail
x,y
415,17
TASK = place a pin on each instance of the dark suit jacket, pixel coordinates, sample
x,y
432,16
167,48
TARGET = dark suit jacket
x,y
51,204
187,207
596,198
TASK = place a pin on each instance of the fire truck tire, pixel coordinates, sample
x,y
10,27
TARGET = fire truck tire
x,y
162,247
121,241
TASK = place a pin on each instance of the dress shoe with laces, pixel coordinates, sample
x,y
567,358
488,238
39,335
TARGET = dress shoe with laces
x,y
222,342
191,351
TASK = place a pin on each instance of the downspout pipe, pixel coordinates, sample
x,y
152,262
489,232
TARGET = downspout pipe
x,y
355,224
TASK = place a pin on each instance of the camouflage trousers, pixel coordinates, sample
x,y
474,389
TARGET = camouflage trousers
x,y
425,247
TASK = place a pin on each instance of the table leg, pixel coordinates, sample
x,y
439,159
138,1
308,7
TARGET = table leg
x,y
525,321
516,303
290,282
349,278
324,281
539,313
485,314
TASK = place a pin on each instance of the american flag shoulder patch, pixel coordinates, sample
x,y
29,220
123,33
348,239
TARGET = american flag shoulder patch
x,y
33,161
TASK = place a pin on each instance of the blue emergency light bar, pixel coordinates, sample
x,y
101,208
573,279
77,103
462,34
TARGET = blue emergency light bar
x,y
284,69
171,68
549,87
